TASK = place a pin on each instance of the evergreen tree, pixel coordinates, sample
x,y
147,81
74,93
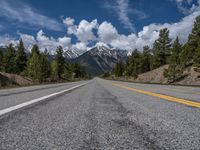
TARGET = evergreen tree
x,y
197,58
133,64
68,72
9,59
146,60
161,48
34,66
59,58
194,37
190,49
194,42
21,58
44,66
174,72
119,69
1,60
186,59
35,50
78,70
54,70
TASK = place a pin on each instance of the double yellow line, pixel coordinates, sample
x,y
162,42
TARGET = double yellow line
x,y
169,98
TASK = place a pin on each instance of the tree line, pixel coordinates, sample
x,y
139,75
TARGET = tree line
x,y
164,52
37,64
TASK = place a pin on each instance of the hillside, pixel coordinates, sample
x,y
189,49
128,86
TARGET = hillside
x,y
156,76
7,79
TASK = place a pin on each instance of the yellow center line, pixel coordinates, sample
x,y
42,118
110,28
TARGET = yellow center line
x,y
169,98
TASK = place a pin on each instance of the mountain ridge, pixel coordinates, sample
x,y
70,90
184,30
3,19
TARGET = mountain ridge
x,y
100,59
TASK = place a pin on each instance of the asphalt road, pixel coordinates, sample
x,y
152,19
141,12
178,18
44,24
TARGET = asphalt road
x,y
14,96
102,116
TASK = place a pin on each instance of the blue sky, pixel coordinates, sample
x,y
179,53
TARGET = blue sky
x,y
79,24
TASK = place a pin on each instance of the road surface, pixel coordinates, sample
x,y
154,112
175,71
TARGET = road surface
x,y
102,115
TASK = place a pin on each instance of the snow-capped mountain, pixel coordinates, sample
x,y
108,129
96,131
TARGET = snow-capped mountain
x,y
100,59
71,54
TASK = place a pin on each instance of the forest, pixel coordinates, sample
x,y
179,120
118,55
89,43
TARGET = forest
x,y
38,66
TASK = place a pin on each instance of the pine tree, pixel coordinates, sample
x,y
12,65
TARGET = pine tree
x,y
174,72
59,58
146,59
44,66
197,58
133,65
119,69
78,70
9,59
194,37
21,58
186,59
68,72
161,48
34,66
190,49
1,60
194,42
54,70
35,49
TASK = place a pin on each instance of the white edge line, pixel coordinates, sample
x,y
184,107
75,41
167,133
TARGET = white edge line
x,y
22,105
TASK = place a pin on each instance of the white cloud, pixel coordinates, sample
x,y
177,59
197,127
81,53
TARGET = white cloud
x,y
123,10
64,41
187,6
28,40
44,41
23,13
68,21
107,32
83,31
6,40
80,46
50,43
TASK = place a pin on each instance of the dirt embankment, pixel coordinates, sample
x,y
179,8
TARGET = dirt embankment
x,y
192,77
7,79
154,76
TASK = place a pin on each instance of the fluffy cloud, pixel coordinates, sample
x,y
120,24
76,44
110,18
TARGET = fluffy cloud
x,y
83,31
80,47
50,43
6,40
45,42
107,32
28,40
68,21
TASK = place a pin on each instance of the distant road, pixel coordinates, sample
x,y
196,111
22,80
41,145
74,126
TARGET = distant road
x,y
102,115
